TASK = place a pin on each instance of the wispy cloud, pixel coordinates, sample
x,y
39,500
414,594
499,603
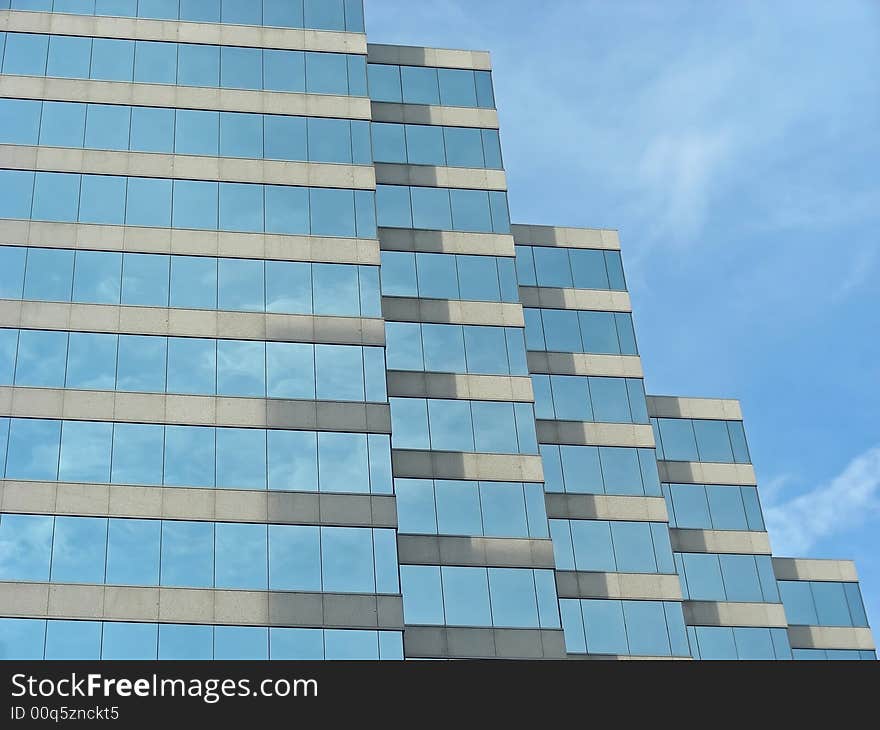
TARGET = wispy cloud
x,y
848,501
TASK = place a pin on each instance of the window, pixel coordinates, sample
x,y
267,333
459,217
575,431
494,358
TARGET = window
x,y
607,470
623,547
470,209
823,603
91,361
701,440
432,86
24,639
721,642
579,398
556,330
638,628
736,578
564,268
186,64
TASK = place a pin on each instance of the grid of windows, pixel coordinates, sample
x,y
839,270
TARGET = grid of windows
x,y
442,209
485,427
452,348
685,439
487,509
195,456
635,628
222,555
419,144
833,655
582,398
22,639
449,276
734,578
191,366
342,15
195,204
713,507
565,330
612,547
189,282
184,64
817,603
432,86
600,470
569,268
745,643
498,597
184,131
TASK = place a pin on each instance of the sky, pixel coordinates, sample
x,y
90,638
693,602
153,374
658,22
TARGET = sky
x,y
735,147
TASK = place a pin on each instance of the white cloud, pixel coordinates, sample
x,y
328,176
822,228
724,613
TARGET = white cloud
x,y
848,501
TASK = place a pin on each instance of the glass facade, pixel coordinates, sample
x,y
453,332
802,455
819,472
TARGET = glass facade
x,y
333,373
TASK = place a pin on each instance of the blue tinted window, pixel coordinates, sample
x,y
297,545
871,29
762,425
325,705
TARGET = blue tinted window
x,y
137,454
129,641
347,560
422,594
25,54
326,73
241,642
187,554
241,68
19,120
78,550
186,642
466,597
385,84
238,549
196,132
293,461
91,361
241,458
21,638
193,282
192,366
133,552
112,60
284,71
332,212
73,640
198,65
56,196
294,558
148,203
604,627
31,537
335,288
62,124
285,138
33,450
102,200
195,204
189,456
241,135
343,462
713,442
287,210
42,359
152,130
155,62
288,286
241,207
85,452
485,93
420,85
146,279
290,370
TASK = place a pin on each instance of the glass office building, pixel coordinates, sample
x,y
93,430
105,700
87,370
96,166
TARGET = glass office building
x,y
280,380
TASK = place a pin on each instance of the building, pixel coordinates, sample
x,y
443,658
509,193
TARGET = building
x,y
221,438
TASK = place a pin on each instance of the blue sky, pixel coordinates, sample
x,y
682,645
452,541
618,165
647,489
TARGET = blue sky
x,y
735,146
